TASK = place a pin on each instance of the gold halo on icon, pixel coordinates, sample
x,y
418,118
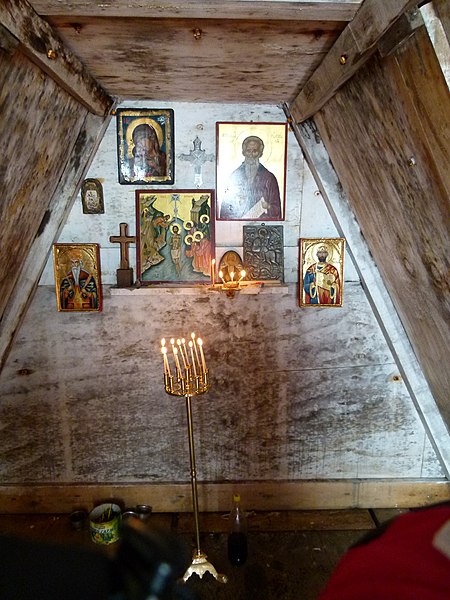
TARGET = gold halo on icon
x,y
142,121
198,235
174,225
188,240
204,219
311,251
188,225
68,253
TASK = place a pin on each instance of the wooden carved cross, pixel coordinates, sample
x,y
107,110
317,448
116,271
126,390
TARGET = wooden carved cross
x,y
123,239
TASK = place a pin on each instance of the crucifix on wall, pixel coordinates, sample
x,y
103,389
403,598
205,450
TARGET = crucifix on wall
x,y
125,272
197,157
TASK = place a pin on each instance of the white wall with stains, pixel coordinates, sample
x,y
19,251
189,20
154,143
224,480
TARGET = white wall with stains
x,y
296,393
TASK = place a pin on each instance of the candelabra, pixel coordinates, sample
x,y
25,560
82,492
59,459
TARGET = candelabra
x,y
190,378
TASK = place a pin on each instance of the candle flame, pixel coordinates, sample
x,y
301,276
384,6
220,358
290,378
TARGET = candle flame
x,y
183,341
172,341
163,342
243,273
199,341
179,341
175,351
163,349
192,335
213,261
190,344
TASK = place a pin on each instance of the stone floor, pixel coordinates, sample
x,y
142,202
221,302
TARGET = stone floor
x,y
290,554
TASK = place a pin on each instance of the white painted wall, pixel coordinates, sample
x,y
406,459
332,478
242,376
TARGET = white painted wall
x,y
306,214
296,393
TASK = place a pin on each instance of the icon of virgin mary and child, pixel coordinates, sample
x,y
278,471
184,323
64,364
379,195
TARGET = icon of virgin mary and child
x,y
148,159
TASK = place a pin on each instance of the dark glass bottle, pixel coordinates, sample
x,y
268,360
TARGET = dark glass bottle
x,y
237,536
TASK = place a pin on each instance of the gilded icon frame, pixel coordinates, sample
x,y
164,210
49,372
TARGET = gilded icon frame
x,y
321,278
140,130
77,277
264,199
175,236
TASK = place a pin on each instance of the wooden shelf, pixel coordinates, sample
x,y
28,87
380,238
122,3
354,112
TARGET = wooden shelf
x,y
193,290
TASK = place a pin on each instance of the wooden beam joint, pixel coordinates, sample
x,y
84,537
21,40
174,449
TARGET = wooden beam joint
x,y
8,42
43,47
400,32
352,49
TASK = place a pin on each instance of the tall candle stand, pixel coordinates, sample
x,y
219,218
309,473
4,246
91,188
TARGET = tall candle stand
x,y
190,379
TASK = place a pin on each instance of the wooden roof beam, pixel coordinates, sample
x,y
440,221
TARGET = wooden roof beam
x,y
351,50
302,10
42,46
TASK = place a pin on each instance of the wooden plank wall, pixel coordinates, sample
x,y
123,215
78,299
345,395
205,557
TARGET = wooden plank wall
x,y
216,67
388,136
39,123
215,497
442,8
52,117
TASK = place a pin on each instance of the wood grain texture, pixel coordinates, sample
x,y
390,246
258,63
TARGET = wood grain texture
x,y
391,121
215,497
233,60
77,162
8,42
442,9
378,297
40,43
355,45
38,120
335,10
284,520
48,142
277,560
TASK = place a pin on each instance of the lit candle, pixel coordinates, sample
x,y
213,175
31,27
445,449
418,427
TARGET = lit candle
x,y
166,362
182,353
200,345
183,341
243,274
213,271
195,348
177,362
232,275
221,276
191,346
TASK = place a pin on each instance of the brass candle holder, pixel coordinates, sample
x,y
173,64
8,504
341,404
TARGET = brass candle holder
x,y
190,378
229,284
231,275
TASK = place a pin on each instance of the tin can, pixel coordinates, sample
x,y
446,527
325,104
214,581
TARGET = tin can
x,y
141,511
104,523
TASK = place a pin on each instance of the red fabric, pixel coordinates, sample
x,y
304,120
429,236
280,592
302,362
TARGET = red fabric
x,y
401,564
